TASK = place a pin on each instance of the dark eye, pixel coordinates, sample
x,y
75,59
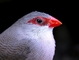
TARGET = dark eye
x,y
39,21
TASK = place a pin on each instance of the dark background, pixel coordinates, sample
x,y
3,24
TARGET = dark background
x,y
66,35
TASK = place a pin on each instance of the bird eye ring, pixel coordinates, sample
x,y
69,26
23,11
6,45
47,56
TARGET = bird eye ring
x,y
39,20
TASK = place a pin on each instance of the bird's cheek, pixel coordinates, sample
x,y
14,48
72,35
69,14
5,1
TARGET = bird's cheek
x,y
54,23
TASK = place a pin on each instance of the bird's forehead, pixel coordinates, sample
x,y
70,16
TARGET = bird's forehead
x,y
35,14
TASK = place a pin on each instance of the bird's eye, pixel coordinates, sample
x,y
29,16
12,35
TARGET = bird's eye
x,y
39,21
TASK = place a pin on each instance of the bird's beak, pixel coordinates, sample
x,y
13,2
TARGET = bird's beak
x,y
53,22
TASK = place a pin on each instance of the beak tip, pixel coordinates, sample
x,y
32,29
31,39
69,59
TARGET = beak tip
x,y
60,23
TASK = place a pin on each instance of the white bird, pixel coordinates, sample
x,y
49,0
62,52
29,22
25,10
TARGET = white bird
x,y
29,38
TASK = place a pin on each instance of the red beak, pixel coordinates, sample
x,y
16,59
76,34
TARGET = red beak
x,y
53,22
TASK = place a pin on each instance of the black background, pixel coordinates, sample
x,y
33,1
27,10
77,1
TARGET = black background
x,y
66,35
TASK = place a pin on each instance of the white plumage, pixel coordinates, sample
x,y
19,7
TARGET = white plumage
x,y
27,41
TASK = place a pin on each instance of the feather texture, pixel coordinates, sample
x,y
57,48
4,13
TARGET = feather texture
x,y
24,41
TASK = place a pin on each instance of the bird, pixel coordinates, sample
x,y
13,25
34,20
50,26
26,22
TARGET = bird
x,y
29,38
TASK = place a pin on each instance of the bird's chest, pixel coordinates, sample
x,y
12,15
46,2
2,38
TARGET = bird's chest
x,y
42,49
42,45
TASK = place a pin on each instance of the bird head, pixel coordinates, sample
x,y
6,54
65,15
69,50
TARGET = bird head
x,y
41,19
36,21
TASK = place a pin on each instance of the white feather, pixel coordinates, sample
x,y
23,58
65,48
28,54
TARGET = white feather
x,y
32,42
